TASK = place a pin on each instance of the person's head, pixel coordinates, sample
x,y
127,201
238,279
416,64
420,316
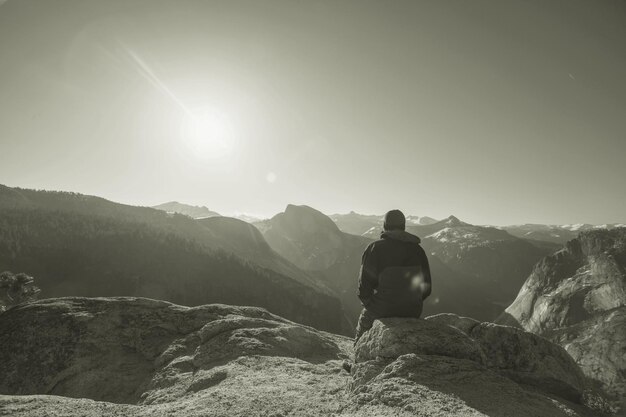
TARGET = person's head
x,y
394,220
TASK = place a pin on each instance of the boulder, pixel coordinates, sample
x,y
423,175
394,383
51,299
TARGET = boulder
x,y
426,385
393,337
456,352
464,324
530,359
523,356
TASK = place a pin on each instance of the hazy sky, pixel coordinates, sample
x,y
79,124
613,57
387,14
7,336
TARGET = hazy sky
x,y
496,111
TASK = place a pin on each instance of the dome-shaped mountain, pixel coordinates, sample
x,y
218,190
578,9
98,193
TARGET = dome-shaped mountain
x,y
307,237
312,241
302,220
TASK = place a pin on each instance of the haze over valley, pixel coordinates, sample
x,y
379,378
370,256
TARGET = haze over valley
x,y
479,269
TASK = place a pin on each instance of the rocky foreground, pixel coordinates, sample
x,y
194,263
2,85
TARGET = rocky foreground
x,y
140,357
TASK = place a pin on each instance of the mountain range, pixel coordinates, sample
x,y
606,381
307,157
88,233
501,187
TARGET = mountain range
x,y
200,212
361,224
195,212
555,233
477,270
81,245
301,265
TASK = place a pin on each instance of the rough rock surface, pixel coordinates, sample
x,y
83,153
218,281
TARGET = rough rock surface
x,y
156,358
514,353
140,357
577,298
530,359
464,324
521,355
393,337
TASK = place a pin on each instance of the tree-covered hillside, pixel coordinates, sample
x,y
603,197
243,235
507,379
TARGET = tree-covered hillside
x,y
99,248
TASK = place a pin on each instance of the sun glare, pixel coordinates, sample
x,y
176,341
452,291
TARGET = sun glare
x,y
208,133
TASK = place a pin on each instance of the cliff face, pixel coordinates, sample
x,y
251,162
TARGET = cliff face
x,y
140,357
577,298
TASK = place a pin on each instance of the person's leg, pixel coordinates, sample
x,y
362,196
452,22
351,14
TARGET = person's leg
x,y
366,321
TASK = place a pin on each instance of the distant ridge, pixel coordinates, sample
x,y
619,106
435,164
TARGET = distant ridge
x,y
83,245
553,232
364,224
195,212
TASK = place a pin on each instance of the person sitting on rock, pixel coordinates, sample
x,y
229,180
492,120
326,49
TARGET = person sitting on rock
x,y
395,275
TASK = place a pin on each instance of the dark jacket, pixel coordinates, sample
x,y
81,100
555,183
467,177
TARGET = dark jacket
x,y
395,276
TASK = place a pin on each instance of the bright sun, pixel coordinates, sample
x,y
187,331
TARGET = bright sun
x,y
208,133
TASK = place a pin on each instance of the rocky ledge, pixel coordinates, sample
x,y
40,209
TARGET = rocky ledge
x,y
465,367
140,357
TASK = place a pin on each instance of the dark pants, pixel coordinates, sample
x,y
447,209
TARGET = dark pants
x,y
366,321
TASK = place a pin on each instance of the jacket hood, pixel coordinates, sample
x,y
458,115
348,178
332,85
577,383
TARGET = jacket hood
x,y
400,235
